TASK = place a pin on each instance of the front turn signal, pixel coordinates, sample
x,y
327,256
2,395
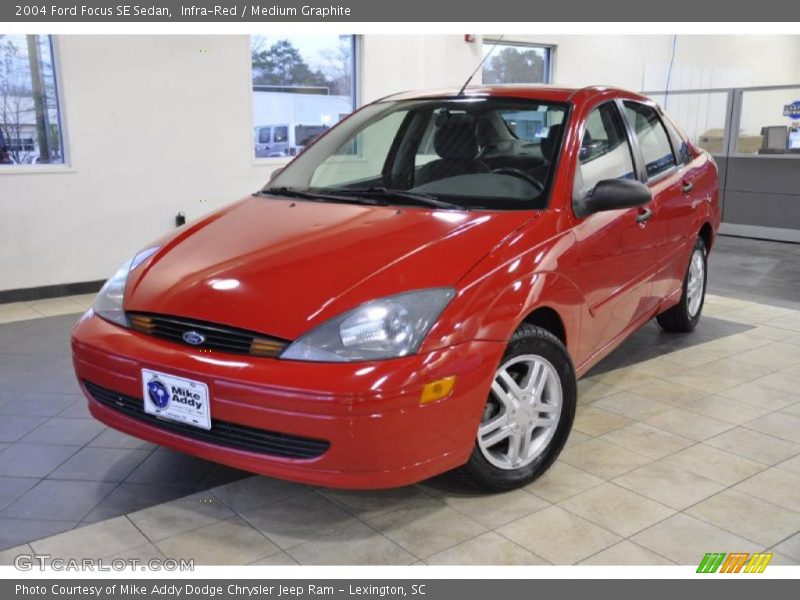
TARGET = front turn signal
x,y
436,390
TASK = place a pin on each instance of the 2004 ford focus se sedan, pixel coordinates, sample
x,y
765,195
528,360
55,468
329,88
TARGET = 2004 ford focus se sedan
x,y
416,292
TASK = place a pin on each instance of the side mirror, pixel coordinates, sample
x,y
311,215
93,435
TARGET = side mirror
x,y
613,194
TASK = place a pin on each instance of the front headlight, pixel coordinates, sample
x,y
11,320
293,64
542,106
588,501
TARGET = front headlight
x,y
385,328
108,303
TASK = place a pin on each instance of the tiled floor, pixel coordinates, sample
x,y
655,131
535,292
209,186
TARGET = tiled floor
x,y
19,311
59,468
682,445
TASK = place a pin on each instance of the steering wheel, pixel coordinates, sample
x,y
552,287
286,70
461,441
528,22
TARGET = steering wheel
x,y
519,173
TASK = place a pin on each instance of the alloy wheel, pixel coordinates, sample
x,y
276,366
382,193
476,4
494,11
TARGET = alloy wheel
x,y
696,284
522,414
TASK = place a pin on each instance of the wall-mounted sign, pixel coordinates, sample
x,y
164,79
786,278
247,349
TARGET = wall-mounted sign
x,y
792,110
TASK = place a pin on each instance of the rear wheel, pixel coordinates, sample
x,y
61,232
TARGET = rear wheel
x,y
528,415
684,316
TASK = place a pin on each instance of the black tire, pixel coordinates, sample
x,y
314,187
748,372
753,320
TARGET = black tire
x,y
529,340
679,318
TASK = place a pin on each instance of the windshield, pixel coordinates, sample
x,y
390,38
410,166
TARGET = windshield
x,y
475,153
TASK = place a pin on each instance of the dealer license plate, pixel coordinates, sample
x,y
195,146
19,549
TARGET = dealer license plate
x,y
176,398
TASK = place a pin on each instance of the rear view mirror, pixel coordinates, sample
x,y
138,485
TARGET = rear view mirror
x,y
613,194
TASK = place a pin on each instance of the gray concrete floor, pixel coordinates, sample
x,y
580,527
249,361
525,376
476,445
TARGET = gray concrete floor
x,y
756,270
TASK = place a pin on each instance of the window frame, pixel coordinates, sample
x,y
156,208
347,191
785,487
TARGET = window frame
x,y
357,43
550,51
638,154
65,166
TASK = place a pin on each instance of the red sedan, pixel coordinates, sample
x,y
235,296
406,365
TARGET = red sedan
x,y
416,292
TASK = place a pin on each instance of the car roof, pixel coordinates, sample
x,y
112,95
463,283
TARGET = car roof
x,y
529,91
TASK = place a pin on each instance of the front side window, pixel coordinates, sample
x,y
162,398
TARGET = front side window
x,y
482,153
516,63
653,140
30,120
302,86
605,152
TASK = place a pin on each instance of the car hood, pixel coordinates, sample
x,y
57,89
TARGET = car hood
x,y
281,267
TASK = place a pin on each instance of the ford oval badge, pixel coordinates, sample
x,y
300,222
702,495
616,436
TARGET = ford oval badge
x,y
193,338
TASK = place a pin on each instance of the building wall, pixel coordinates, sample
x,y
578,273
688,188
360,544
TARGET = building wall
x,y
160,124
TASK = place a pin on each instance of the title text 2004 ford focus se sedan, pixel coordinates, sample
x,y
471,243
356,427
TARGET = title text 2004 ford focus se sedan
x,y
417,291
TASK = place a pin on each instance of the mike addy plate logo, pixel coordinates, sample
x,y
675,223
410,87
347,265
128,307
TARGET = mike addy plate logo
x,y
735,562
161,396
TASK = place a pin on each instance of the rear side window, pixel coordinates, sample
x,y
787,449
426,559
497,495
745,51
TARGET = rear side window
x,y
605,152
653,139
264,135
678,142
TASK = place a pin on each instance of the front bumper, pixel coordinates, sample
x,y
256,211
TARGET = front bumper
x,y
378,433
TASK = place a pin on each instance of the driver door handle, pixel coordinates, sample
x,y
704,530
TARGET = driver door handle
x,y
644,215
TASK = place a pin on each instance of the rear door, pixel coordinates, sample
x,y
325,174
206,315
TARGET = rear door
x,y
672,213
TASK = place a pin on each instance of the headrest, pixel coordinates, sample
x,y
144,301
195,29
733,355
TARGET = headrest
x,y
549,143
454,138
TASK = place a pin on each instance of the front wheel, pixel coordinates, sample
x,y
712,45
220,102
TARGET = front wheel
x,y
684,316
528,415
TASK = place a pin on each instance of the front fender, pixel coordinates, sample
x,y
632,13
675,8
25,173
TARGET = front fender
x,y
493,305
517,301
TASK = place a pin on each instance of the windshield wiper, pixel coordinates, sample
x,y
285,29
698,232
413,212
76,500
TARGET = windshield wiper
x,y
291,192
414,197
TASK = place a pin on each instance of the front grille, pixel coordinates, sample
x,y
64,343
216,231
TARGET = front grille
x,y
222,433
220,338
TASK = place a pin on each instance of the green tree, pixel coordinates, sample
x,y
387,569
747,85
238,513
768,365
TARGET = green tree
x,y
282,64
514,65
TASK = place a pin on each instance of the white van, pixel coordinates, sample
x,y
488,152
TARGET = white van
x,y
284,139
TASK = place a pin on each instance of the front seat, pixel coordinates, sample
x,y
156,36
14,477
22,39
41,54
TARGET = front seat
x,y
548,146
457,146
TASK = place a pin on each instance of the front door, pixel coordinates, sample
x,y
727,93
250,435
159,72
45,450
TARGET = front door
x,y
615,249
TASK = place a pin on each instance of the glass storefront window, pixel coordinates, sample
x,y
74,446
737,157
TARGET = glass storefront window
x,y
770,122
701,115
302,86
30,119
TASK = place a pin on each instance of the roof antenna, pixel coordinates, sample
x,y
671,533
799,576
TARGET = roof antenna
x,y
480,64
